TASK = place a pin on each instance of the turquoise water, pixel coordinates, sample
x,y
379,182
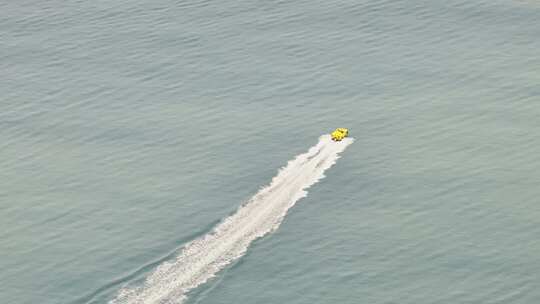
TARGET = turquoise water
x,y
129,129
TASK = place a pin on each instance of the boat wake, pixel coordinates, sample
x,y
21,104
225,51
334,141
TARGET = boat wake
x,y
202,258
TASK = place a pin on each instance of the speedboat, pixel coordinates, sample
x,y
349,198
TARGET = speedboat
x,y
339,134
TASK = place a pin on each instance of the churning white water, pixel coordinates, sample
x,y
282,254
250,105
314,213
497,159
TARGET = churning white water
x,y
202,258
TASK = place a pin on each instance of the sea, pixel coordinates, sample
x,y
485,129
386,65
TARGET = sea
x,y
177,151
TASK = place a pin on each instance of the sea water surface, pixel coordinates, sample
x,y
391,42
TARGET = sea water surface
x,y
133,133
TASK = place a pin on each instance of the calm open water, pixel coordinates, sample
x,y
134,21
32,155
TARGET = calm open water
x,y
130,128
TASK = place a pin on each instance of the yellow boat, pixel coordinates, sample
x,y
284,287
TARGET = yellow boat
x,y
339,134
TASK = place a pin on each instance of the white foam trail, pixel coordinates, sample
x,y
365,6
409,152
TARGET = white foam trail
x,y
202,258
